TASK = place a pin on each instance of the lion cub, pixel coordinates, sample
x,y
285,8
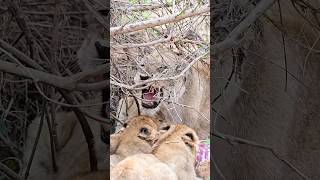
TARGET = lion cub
x,y
136,137
173,157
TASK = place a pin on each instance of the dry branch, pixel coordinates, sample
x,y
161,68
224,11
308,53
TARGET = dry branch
x,y
233,140
20,55
98,17
52,53
68,83
34,147
160,79
85,129
141,7
50,13
129,45
9,172
20,19
158,21
233,37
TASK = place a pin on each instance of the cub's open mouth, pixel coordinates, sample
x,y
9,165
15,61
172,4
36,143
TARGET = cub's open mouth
x,y
151,97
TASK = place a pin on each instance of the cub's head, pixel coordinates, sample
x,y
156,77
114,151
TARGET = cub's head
x,y
142,127
136,136
181,135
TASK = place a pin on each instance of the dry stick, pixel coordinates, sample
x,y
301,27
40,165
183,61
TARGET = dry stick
x,y
65,104
233,37
9,172
293,2
51,122
141,7
218,169
85,128
84,124
227,83
98,17
278,66
284,47
161,79
98,70
12,6
7,141
35,144
50,13
129,45
68,83
76,77
54,37
29,74
52,143
190,107
38,4
20,55
232,140
157,22
131,93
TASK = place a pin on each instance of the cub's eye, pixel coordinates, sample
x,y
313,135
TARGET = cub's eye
x,y
125,125
189,135
144,130
165,128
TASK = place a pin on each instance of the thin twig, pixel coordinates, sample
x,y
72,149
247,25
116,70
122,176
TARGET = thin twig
x,y
34,148
10,173
140,7
162,40
233,36
98,17
161,79
284,47
237,140
85,128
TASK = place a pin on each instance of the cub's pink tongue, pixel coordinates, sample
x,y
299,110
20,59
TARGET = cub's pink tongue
x,y
149,96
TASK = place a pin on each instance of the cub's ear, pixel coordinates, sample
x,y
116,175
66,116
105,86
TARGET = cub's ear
x,y
191,140
165,127
114,142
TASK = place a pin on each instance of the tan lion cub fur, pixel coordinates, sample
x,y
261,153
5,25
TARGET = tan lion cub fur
x,y
173,158
136,137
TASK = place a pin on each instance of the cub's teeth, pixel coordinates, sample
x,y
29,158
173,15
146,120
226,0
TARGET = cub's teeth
x,y
151,90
